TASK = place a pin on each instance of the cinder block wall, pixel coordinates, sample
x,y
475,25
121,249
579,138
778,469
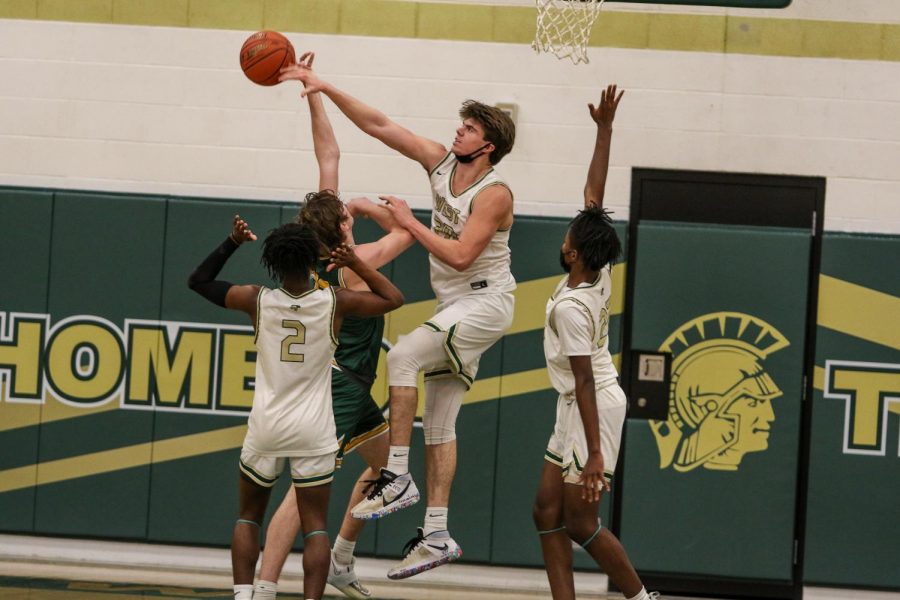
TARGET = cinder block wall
x,y
161,107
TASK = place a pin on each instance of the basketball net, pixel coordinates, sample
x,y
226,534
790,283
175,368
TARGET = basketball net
x,y
564,27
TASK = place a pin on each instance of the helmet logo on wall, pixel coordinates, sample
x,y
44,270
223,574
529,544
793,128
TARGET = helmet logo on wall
x,y
720,398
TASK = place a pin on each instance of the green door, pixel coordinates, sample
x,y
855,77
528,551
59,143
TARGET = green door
x,y
711,491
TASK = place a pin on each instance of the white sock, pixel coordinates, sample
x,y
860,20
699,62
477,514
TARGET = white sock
x,y
398,460
243,592
435,519
641,595
265,590
343,551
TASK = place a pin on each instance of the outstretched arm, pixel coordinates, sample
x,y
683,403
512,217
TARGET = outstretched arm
x,y
371,120
325,146
383,250
603,115
492,210
203,279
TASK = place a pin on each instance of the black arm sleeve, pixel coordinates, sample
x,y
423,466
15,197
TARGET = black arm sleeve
x,y
203,281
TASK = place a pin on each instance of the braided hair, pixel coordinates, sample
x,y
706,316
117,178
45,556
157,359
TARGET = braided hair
x,y
591,233
290,250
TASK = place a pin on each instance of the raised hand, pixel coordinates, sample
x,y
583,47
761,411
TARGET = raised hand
x,y
605,112
302,72
344,256
241,232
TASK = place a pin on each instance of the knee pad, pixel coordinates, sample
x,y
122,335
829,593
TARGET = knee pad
x,y
443,399
402,365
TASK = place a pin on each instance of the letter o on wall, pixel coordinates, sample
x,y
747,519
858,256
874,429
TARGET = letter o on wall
x,y
84,361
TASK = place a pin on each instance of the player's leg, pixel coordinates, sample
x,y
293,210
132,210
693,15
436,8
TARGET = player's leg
x,y
373,450
312,478
257,476
580,516
280,536
555,544
434,546
584,528
422,349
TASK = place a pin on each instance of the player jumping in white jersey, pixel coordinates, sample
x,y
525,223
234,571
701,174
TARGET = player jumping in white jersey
x,y
291,420
590,410
470,275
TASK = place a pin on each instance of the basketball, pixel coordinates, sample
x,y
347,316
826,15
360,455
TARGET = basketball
x,y
264,54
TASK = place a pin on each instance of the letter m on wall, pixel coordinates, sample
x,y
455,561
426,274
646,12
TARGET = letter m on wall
x,y
870,392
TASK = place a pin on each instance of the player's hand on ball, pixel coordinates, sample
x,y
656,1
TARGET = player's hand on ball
x,y
605,112
302,72
241,232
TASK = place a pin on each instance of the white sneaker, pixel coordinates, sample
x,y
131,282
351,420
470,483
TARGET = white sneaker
x,y
343,577
425,552
389,493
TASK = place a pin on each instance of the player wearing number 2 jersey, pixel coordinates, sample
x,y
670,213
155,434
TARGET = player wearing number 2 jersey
x,y
291,420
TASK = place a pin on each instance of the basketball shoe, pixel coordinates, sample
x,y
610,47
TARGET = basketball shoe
x,y
343,577
426,552
389,493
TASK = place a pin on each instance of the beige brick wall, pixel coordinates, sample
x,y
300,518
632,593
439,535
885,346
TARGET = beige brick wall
x,y
166,110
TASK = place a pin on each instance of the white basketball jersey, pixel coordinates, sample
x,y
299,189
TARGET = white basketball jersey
x,y
593,301
291,414
490,273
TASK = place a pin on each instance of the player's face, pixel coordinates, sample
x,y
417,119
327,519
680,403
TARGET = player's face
x,y
469,137
565,252
346,222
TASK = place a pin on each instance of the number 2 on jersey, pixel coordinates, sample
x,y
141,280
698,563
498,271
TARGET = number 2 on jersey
x,y
298,337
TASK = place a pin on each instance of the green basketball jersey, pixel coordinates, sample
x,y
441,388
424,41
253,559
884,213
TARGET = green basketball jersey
x,y
359,337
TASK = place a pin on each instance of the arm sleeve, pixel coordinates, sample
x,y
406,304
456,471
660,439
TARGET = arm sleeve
x,y
203,280
574,328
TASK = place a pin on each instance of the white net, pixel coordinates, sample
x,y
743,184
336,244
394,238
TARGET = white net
x,y
564,27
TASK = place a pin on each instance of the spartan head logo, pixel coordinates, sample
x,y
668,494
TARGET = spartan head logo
x,y
720,399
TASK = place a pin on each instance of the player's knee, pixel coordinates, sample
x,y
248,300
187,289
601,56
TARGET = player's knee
x,y
439,434
583,531
546,515
403,365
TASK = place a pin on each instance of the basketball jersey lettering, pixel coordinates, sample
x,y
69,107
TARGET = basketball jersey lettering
x,y
299,337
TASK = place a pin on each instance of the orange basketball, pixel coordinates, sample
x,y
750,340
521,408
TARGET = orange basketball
x,y
264,54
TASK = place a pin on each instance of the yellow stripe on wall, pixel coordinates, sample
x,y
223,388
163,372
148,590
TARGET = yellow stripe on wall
x,y
484,23
106,461
14,415
859,311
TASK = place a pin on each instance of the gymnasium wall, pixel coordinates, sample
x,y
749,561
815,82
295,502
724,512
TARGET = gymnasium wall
x,y
161,107
123,395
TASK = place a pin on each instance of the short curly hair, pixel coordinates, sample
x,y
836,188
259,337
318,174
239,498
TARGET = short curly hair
x,y
592,234
290,250
499,129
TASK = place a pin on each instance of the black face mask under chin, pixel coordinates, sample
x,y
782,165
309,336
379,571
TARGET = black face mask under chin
x,y
562,262
467,158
